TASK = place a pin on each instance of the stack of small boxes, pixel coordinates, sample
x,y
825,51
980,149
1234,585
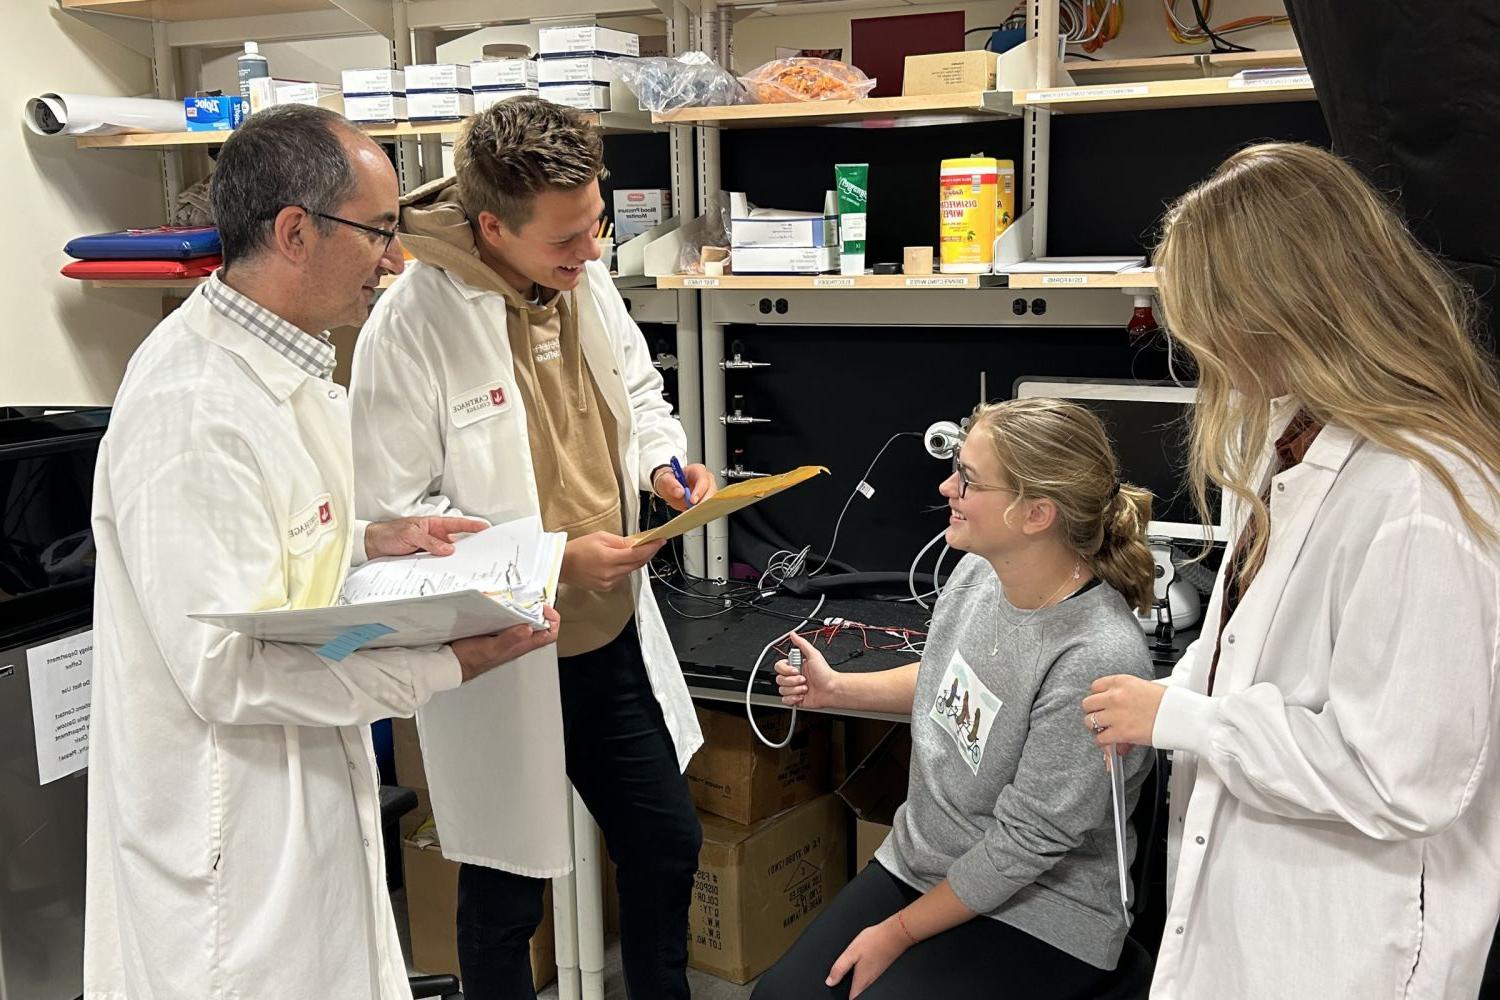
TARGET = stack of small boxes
x,y
773,241
438,92
374,96
575,64
497,80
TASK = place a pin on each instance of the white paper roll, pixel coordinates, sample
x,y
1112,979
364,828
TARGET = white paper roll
x,y
83,114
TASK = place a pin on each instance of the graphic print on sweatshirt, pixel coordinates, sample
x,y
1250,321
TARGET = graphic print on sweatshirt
x,y
965,709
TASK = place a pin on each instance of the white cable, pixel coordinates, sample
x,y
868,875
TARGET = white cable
x,y
750,684
911,574
937,572
855,492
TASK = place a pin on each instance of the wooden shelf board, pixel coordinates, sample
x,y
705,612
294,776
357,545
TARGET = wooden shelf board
x,y
628,281
1055,280
1185,67
794,282
611,122
875,111
1150,95
195,10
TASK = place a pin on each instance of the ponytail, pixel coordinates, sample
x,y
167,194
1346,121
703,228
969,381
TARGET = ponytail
x,y
1124,559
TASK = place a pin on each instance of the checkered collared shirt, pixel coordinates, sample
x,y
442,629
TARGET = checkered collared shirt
x,y
314,355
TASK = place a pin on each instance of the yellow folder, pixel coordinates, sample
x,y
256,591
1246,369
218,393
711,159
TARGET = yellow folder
x,y
728,500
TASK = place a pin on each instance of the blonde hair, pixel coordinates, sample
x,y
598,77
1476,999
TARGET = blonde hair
x,y
1051,449
1286,273
507,155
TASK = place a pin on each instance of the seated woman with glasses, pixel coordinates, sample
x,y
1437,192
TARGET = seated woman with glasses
x,y
1000,873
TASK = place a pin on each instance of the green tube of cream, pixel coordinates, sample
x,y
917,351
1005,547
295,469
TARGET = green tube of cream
x,y
852,181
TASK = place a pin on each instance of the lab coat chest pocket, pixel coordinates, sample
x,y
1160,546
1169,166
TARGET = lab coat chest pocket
x,y
312,545
482,437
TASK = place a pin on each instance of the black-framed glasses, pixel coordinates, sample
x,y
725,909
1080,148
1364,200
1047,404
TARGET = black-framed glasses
x,y
388,235
964,482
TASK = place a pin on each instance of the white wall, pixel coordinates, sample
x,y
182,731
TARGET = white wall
x,y
63,343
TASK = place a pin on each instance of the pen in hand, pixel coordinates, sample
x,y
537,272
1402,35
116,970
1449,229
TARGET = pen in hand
x,y
687,491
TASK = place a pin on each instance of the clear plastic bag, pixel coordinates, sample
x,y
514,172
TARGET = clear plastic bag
x,y
788,81
711,230
691,80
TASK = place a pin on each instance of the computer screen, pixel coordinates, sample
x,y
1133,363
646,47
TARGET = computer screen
x,y
1148,426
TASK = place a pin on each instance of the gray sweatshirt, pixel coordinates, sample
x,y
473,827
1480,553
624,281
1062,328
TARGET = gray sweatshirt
x,y
1009,797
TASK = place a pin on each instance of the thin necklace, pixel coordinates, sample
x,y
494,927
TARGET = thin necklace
x,y
1049,602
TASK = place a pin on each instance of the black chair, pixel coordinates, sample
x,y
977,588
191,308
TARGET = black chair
x,y
396,802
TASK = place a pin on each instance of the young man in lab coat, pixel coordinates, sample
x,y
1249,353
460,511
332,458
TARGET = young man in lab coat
x,y
234,817
502,377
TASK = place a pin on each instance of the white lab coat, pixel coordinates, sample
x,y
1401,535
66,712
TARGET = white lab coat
x,y
434,348
1335,815
234,844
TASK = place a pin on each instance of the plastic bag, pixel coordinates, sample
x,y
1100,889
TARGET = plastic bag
x,y
787,81
690,80
711,230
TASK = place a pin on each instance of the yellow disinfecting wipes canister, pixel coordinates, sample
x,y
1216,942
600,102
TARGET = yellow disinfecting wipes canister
x,y
977,196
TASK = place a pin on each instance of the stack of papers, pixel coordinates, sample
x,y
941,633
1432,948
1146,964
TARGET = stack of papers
x,y
495,579
515,564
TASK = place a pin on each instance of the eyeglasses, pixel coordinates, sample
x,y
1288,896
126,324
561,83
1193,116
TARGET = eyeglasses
x,y
964,482
386,234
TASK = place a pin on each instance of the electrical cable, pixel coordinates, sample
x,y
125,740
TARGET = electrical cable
x,y
911,574
856,492
750,685
1219,44
1201,31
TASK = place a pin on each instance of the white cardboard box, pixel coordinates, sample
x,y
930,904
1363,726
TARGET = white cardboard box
x,y
770,227
268,92
489,97
586,38
375,108
440,104
374,81
640,209
576,69
490,74
584,96
438,76
784,260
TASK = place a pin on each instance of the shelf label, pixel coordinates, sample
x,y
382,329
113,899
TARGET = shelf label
x,y
1290,80
938,282
1064,279
1133,90
700,282
833,282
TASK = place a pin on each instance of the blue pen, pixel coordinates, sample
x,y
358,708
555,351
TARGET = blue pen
x,y
687,491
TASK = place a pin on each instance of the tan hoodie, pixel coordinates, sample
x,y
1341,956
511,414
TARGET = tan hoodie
x,y
574,454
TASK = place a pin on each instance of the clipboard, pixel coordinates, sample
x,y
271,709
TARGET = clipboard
x,y
736,496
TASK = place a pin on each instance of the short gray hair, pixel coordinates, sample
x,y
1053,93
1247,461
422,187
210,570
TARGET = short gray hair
x,y
283,156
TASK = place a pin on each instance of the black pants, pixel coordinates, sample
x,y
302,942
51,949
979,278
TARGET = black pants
x,y
981,958
621,759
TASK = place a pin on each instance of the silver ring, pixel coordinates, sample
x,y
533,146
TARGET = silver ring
x,y
1093,721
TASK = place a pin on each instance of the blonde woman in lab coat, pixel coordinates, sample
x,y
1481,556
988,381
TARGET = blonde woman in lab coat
x,y
1335,818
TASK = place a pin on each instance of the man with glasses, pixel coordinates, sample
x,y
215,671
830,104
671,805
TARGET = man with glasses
x,y
234,819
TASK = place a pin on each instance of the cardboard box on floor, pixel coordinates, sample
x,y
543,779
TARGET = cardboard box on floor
x,y
431,908
877,785
759,886
736,776
410,773
867,840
